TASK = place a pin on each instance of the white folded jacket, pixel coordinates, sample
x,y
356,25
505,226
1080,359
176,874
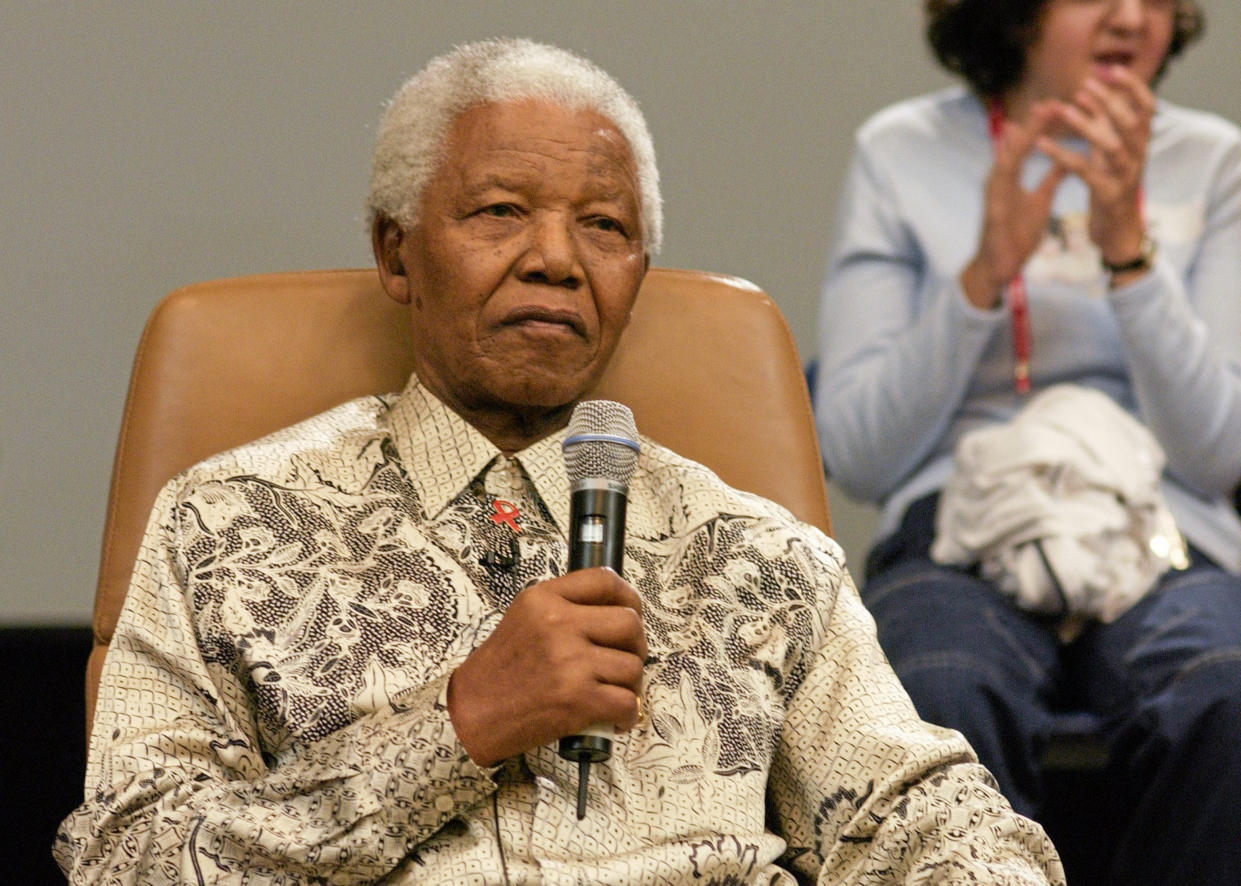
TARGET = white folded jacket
x,y
1061,508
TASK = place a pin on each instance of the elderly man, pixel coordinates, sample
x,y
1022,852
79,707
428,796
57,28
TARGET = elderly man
x,y
319,675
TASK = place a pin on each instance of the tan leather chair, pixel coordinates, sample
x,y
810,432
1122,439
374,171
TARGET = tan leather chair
x,y
707,365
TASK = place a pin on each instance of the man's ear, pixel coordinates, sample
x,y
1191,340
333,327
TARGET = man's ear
x,y
386,239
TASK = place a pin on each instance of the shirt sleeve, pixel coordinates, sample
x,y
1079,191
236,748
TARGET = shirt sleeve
x,y
898,346
865,792
179,791
1182,341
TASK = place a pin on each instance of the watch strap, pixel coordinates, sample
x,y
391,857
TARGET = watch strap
x,y
1142,262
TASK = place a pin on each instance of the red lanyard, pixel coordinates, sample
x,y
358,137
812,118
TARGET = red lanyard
x,y
1018,305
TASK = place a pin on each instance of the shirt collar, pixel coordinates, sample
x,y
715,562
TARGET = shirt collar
x,y
543,461
442,453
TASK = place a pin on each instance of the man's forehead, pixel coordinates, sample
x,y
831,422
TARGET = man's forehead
x,y
519,138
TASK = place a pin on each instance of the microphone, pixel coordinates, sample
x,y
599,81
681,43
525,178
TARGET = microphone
x,y
600,453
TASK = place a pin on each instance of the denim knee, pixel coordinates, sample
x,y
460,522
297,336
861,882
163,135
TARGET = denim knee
x,y
1203,695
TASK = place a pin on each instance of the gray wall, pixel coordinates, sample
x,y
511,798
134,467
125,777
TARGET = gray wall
x,y
148,145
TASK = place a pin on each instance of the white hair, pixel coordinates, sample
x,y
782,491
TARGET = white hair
x,y
410,144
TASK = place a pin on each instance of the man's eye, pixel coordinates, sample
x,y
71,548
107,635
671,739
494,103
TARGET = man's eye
x,y
604,223
499,210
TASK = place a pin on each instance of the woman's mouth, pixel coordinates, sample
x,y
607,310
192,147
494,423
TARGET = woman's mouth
x,y
1114,59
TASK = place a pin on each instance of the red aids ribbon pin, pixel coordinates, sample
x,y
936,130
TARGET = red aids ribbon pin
x,y
505,512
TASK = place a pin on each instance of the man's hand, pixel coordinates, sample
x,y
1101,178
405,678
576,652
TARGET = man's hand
x,y
567,653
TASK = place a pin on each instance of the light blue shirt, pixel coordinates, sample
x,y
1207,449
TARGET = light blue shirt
x,y
907,365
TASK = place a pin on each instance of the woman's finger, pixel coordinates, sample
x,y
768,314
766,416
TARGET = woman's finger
x,y
1131,124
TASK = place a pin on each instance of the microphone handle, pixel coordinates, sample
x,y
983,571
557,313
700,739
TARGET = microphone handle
x,y
597,524
596,538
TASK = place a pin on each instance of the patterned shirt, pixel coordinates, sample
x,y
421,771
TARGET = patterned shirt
x,y
272,709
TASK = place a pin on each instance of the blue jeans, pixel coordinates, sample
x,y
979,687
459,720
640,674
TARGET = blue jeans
x,y
1163,681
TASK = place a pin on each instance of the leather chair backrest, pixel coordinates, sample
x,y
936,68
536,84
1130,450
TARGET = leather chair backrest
x,y
707,365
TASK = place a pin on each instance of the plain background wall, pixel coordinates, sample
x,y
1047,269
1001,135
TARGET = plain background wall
x,y
145,145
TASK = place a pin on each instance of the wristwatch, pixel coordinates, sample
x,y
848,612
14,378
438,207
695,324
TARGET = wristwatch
x,y
1143,262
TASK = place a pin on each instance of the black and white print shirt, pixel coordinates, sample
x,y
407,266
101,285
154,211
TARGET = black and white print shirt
x,y
272,707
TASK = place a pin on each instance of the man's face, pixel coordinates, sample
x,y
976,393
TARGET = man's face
x,y
526,260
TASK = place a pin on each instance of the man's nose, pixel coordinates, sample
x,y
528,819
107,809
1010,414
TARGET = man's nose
x,y
551,256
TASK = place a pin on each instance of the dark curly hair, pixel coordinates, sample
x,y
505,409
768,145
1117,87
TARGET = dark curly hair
x,y
985,41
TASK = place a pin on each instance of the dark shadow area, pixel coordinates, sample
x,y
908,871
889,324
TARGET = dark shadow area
x,y
1082,820
43,710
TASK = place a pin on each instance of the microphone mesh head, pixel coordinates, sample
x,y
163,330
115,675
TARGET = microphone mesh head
x,y
602,442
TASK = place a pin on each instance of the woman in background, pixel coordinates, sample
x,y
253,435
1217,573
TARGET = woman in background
x,y
1053,223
